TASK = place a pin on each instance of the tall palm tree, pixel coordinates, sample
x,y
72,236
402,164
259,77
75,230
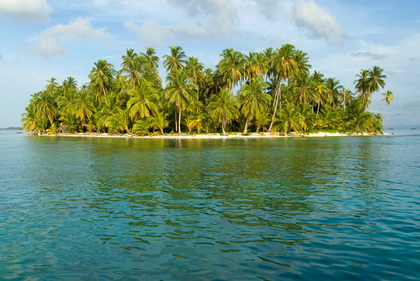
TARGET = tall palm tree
x,y
304,88
302,61
283,64
52,85
223,108
70,83
345,97
131,69
254,99
150,66
332,94
175,61
376,79
181,92
101,78
195,71
231,67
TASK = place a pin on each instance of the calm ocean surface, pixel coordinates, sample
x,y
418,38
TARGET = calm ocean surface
x,y
240,209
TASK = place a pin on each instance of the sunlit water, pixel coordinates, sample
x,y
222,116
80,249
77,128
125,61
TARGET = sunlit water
x,y
238,209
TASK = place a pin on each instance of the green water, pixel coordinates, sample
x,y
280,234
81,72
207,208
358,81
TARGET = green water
x,y
237,209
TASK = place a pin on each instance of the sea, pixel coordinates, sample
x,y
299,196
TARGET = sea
x,y
325,208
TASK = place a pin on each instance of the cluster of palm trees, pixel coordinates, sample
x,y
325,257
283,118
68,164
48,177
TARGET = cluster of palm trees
x,y
275,92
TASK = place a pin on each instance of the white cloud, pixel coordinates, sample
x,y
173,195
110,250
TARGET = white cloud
x,y
154,34
25,10
368,54
268,7
317,22
215,18
50,43
218,15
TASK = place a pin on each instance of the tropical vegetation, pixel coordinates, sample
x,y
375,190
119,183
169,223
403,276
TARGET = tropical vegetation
x,y
273,91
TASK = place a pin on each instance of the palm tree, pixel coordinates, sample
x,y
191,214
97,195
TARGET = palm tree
x,y
131,69
332,93
223,108
368,82
283,64
29,118
181,92
376,79
304,88
195,70
231,67
52,85
150,60
143,101
302,61
45,105
254,100
319,88
345,97
70,83
159,121
290,119
150,66
175,60
101,78
83,106
388,98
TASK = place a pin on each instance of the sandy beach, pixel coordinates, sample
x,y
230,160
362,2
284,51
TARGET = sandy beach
x,y
210,135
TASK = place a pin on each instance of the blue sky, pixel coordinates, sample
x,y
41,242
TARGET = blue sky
x,y
40,39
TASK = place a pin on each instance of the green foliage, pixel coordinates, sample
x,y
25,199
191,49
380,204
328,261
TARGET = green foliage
x,y
133,100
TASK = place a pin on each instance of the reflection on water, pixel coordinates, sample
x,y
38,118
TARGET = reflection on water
x,y
317,208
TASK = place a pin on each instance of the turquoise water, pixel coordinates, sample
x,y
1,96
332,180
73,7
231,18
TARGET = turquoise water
x,y
238,209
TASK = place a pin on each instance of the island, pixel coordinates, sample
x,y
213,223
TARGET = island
x,y
269,93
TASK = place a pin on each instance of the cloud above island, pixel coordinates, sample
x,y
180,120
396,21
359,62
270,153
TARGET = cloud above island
x,y
317,22
25,10
51,42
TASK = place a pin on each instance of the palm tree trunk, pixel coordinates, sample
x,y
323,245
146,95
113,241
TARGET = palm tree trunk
x,y
317,110
176,124
224,125
246,125
277,96
179,123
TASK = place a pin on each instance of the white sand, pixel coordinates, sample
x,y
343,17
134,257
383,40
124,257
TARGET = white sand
x,y
212,135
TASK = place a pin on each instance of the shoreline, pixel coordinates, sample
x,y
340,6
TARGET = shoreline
x,y
208,136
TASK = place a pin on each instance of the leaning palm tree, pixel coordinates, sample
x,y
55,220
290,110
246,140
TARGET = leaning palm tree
x,y
388,98
181,92
254,99
223,108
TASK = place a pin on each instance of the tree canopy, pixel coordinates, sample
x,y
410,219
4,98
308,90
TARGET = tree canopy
x,y
273,90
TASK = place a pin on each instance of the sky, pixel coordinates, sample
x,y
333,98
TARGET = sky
x,y
41,39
